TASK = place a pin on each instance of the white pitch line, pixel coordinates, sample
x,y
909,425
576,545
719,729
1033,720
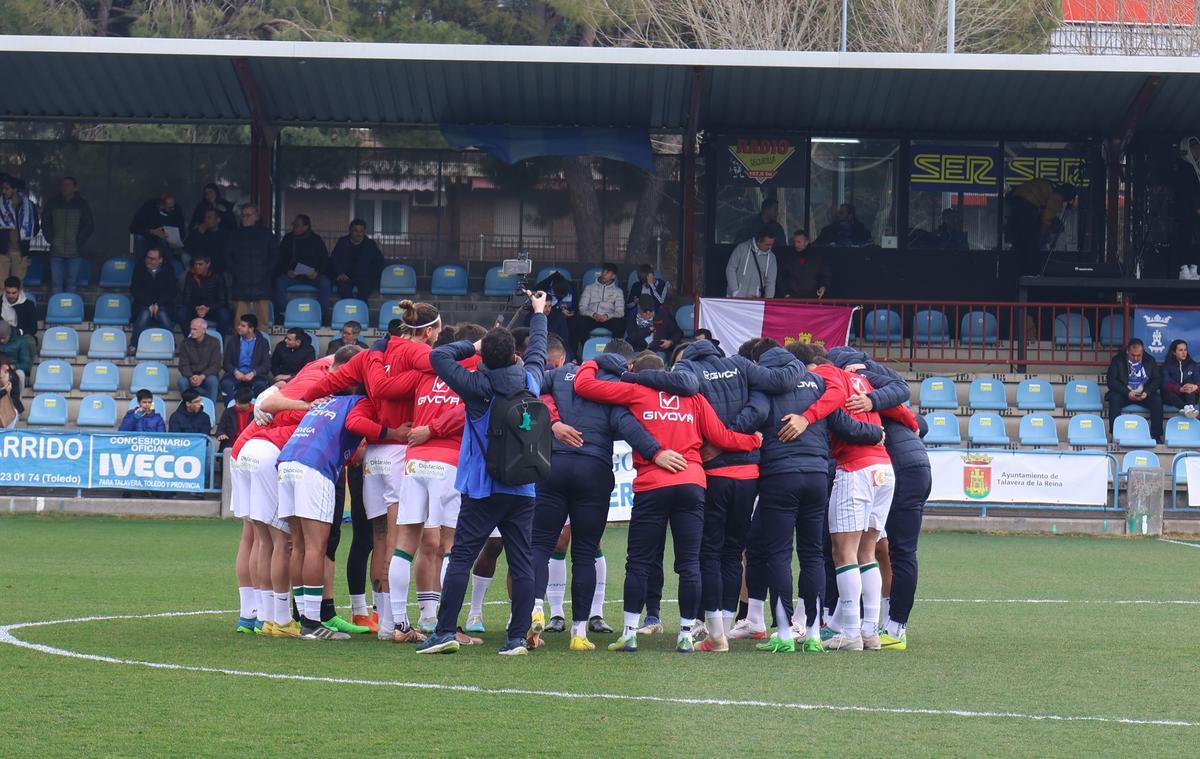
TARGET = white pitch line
x,y
1113,602
1180,543
6,636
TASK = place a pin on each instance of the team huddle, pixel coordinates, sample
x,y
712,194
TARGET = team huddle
x,y
472,442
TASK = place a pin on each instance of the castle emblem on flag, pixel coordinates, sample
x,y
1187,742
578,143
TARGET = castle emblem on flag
x,y
977,475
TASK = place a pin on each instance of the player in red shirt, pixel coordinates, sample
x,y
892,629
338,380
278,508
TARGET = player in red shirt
x,y
681,424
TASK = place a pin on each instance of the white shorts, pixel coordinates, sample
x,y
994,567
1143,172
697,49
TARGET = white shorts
x,y
239,497
861,499
306,493
383,473
427,494
256,462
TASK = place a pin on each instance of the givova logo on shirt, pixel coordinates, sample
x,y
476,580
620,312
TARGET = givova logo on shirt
x,y
668,411
438,395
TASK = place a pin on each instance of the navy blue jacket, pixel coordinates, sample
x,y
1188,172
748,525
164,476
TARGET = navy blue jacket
x,y
598,423
904,447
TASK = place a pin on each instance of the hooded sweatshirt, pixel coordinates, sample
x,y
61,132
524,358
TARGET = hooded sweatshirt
x,y
22,315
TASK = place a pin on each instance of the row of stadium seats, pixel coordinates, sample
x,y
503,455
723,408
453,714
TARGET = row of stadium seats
x,y
57,376
50,410
109,342
932,327
986,429
991,395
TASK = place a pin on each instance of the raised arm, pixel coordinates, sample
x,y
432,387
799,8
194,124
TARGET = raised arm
x,y
347,375
592,389
396,386
837,390
469,385
715,432
675,383
535,352
852,430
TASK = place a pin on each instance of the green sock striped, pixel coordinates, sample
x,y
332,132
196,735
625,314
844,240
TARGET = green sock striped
x,y
868,567
403,555
845,568
559,555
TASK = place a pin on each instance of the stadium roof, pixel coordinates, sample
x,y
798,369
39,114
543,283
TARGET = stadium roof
x,y
365,84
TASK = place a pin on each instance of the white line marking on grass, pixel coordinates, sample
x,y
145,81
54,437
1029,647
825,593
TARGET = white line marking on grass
x,y
1180,543
1114,602
6,636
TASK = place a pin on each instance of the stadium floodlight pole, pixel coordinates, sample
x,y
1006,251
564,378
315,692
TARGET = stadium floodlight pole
x,y
951,6
845,13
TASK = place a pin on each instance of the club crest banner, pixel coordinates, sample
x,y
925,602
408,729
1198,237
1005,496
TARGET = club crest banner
x,y
1012,477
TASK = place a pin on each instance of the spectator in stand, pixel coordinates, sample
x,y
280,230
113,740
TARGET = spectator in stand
x,y
15,351
20,312
19,224
199,360
767,218
845,231
143,417
1181,380
212,201
560,307
151,222
291,354
356,263
303,259
651,328
602,305
154,291
67,224
647,284
250,251
752,268
236,418
190,415
203,295
350,332
208,239
1134,379
803,273
11,407
247,359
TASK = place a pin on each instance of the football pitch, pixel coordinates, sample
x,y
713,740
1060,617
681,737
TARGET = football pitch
x,y
1027,646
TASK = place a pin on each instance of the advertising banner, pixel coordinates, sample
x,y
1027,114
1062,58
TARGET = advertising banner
x,y
1157,327
733,321
1057,164
1191,468
756,160
955,168
1004,477
117,460
620,503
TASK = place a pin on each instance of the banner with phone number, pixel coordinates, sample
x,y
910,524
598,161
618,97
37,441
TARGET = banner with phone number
x,y
111,460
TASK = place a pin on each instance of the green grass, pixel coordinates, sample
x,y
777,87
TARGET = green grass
x,y
1096,659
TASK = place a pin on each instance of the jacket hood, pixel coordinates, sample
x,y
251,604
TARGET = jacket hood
x,y
612,363
844,356
777,357
701,349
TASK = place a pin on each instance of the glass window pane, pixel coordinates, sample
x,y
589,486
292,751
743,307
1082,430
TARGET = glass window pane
x,y
853,198
754,169
364,208
953,198
391,216
1036,167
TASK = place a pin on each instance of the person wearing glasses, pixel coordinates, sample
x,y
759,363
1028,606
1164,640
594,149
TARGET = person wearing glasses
x,y
154,292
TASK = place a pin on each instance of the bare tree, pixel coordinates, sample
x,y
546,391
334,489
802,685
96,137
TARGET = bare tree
x,y
1133,27
725,24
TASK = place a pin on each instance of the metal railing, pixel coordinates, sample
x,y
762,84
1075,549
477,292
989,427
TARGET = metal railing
x,y
1179,459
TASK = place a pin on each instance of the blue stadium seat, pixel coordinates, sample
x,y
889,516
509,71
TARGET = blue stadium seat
x,y
112,308
589,277
302,287
594,347
449,280
152,376
97,411
943,429
931,328
398,279
159,405
1072,330
1035,395
1087,430
388,311
685,317
882,326
108,342
938,393
548,270
979,328
1139,460
213,332
987,395
1132,431
48,410
35,275
100,377
1082,395
60,342
64,308
210,408
53,376
350,310
497,284
986,428
1112,331
1183,432
601,332
156,343
1038,430
304,313
116,274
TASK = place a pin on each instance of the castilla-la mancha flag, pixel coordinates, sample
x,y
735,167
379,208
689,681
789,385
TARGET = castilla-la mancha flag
x,y
733,321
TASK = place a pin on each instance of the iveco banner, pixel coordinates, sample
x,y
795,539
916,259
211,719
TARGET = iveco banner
x,y
111,460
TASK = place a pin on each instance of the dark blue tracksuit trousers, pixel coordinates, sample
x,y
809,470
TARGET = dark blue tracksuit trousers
x,y
682,507
903,531
727,508
513,514
579,487
791,503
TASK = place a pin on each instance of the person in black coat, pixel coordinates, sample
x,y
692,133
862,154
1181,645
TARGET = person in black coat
x,y
149,224
1134,379
190,415
247,359
251,252
208,239
202,294
650,327
356,263
154,291
303,260
212,201
291,354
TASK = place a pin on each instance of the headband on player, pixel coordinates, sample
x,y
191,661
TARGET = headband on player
x,y
423,326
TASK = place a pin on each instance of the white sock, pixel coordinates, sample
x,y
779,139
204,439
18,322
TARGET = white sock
x,y
442,570
784,627
685,626
556,587
298,599
246,602
601,584
894,629
885,608
849,583
713,621
538,605
283,608
265,603
754,613
399,577
814,630
633,621
358,604
579,630
872,588
383,605
479,589
799,613
427,602
312,602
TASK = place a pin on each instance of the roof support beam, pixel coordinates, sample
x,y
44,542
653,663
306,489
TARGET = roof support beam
x,y
687,176
262,139
1114,149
